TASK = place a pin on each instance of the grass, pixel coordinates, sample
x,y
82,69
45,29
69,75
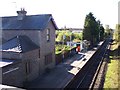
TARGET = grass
x,y
112,79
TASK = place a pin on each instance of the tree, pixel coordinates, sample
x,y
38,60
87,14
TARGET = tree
x,y
59,37
91,29
77,36
107,30
66,33
102,32
98,30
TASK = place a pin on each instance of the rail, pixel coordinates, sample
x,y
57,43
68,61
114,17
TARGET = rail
x,y
98,70
77,81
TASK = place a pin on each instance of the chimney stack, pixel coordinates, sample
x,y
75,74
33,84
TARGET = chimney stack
x,y
21,14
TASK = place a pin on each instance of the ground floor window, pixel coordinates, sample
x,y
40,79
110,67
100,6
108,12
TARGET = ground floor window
x,y
48,59
27,66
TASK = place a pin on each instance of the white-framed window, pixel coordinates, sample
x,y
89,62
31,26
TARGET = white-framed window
x,y
48,35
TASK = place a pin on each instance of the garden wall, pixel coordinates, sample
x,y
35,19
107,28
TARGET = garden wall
x,y
59,57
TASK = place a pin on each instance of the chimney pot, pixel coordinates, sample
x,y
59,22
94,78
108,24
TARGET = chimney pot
x,y
21,14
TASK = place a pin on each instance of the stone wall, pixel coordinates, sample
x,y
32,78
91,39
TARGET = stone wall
x,y
10,55
12,75
47,47
31,61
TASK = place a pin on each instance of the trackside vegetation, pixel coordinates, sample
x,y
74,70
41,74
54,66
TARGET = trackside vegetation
x,y
112,79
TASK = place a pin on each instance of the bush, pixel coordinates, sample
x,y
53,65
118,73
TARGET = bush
x,y
77,36
58,52
60,48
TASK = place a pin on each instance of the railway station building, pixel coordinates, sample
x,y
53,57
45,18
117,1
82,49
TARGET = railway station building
x,y
29,47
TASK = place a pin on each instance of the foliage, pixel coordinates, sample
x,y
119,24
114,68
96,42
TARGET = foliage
x,y
102,32
105,35
86,32
108,31
112,76
117,33
91,29
57,32
59,37
76,40
61,48
60,34
111,80
69,36
77,36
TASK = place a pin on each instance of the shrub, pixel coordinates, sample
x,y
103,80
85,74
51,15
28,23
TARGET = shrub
x,y
60,48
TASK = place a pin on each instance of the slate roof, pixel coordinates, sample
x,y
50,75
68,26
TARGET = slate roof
x,y
5,62
30,22
19,44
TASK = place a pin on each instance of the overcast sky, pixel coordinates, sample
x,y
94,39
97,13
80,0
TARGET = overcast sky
x,y
69,13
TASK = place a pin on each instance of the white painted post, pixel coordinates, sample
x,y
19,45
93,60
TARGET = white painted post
x,y
70,43
63,43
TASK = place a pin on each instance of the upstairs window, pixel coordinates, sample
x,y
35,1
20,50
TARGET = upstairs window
x,y
48,35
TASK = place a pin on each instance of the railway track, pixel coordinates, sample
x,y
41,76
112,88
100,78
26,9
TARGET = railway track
x,y
86,77
101,70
